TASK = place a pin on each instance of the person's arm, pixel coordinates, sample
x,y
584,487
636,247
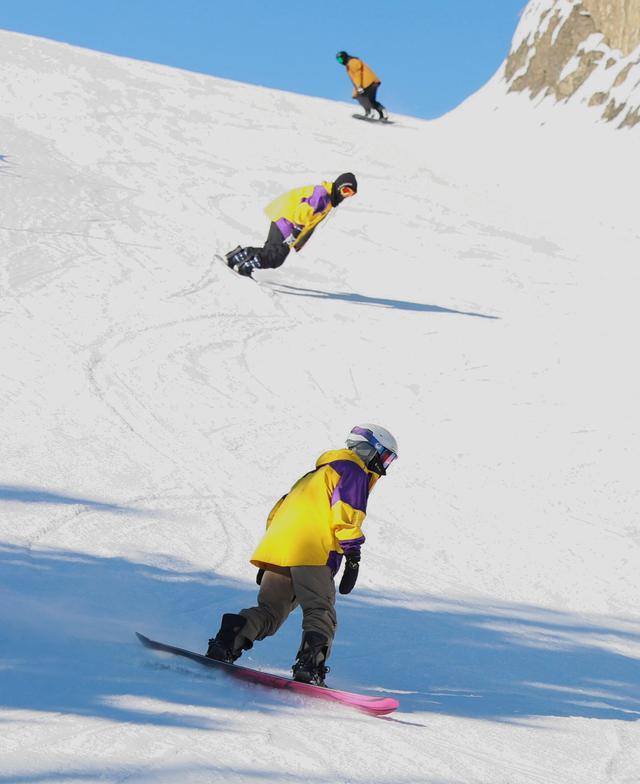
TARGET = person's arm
x,y
348,510
311,206
349,507
360,85
355,69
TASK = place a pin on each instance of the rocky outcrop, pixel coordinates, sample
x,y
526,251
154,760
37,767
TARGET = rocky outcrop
x,y
580,50
618,21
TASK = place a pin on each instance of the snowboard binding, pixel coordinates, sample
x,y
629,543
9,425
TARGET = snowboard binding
x,y
228,644
241,261
309,666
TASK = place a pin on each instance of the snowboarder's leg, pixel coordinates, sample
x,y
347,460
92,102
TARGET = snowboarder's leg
x,y
365,102
270,256
371,92
276,599
238,631
275,249
316,592
229,642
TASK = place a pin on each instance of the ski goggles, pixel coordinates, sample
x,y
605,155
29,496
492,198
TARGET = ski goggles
x,y
340,59
346,191
387,456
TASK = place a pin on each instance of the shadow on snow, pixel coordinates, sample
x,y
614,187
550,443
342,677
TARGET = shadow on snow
x,y
31,495
361,299
5,164
216,772
67,621
504,662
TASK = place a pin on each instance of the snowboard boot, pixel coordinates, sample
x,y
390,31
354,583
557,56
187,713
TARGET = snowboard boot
x,y
248,266
228,644
382,113
309,665
236,256
240,261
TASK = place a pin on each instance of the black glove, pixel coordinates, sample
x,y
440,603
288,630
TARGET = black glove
x,y
259,576
350,574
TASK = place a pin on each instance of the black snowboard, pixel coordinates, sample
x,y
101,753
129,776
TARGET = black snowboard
x,y
372,119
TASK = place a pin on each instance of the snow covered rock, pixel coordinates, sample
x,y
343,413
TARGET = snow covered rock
x,y
585,51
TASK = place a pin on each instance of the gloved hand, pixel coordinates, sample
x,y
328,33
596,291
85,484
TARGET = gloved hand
x,y
359,90
350,574
259,576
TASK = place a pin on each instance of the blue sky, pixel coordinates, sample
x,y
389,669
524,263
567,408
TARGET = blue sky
x,y
430,54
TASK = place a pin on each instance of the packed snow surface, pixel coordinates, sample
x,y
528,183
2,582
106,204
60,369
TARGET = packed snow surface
x,y
478,297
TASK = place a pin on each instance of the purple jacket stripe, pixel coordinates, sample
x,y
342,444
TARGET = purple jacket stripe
x,y
353,485
319,199
333,561
285,226
352,546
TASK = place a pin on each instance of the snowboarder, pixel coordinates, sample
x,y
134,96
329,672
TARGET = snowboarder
x,y
295,216
308,532
365,84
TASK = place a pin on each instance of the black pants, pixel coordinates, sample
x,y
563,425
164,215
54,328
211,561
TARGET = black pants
x,y
275,250
367,99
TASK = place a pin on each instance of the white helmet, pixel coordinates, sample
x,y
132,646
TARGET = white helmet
x,y
375,445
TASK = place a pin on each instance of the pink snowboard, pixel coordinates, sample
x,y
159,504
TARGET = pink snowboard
x,y
375,706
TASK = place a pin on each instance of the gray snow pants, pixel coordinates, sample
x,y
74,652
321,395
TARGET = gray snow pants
x,y
311,587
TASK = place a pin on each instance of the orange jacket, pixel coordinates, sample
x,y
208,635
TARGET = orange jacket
x,y
360,74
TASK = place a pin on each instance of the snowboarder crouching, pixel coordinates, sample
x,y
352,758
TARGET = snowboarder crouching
x,y
295,216
365,84
308,532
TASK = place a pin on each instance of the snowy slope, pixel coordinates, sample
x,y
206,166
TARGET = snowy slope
x,y
478,297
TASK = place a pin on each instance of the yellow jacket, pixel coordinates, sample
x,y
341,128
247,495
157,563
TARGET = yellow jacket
x,y
299,211
360,74
321,517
